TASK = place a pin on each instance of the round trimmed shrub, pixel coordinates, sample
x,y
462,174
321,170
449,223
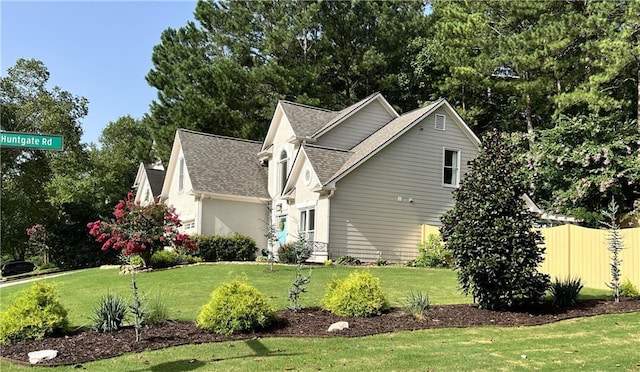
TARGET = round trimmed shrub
x,y
36,313
358,295
234,307
163,259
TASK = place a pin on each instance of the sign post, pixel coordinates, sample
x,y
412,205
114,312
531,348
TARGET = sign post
x,y
31,141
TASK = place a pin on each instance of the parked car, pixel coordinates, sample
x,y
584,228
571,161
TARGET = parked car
x,y
17,267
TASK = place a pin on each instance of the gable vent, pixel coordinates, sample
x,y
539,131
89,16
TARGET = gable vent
x,y
440,119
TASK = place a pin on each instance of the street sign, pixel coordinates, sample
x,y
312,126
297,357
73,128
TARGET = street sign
x,y
31,141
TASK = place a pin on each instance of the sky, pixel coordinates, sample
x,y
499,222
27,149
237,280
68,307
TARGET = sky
x,y
100,50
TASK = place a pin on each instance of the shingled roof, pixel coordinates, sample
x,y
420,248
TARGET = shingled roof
x,y
306,120
156,179
223,165
326,161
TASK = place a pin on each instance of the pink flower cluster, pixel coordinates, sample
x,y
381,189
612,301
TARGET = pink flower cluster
x,y
137,228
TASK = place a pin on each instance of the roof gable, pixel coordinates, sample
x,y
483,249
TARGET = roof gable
x,y
394,129
352,110
221,165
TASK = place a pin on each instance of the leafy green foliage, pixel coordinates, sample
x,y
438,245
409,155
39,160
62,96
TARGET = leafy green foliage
x,y
489,231
565,292
155,311
432,253
358,295
348,260
164,258
109,313
235,306
628,289
290,253
237,247
585,161
417,304
36,313
615,245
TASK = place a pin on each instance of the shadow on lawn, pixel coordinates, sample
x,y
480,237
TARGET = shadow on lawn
x,y
259,350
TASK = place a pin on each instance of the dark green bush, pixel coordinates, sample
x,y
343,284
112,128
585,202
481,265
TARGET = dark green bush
x,y
348,260
489,230
432,253
36,313
359,295
164,258
109,313
237,247
287,253
565,292
235,307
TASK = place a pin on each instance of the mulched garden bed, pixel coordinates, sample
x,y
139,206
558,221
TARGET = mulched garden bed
x,y
85,346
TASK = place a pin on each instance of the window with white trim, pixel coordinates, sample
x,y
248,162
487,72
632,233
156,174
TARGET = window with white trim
x,y
282,170
451,168
180,174
308,224
440,121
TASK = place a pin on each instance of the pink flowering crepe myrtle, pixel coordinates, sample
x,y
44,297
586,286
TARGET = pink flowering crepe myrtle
x,y
141,230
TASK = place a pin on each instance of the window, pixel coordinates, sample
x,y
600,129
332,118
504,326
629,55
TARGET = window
x,y
180,175
308,224
451,169
282,169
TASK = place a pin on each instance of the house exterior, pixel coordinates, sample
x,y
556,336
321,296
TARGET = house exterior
x,y
217,185
357,182
361,181
148,183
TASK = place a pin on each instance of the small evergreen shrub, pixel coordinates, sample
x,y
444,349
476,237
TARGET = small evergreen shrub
x,y
235,306
109,313
382,262
155,311
36,313
565,292
348,260
432,253
628,289
358,295
287,253
163,259
328,262
186,259
237,247
417,304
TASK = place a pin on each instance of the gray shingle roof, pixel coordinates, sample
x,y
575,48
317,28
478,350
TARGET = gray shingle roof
x,y
156,179
223,165
380,138
306,120
326,161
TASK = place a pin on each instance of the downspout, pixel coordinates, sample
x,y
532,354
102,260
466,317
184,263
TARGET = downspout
x,y
199,214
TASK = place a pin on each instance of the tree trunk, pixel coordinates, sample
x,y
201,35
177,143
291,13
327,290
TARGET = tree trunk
x,y
529,119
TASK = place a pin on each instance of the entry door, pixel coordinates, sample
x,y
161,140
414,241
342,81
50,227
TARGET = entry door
x,y
281,227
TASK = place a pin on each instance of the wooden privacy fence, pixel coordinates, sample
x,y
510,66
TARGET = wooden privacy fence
x,y
575,251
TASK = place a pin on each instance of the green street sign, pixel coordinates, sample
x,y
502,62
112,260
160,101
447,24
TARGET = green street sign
x,y
31,141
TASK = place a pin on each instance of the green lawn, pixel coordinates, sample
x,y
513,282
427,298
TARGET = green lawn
x,y
602,343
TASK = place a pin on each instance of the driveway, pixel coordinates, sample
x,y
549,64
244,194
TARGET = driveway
x,y
40,277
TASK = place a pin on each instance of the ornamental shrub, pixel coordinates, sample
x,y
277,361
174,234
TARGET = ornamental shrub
x,y
358,295
235,306
348,260
628,289
432,253
164,258
565,292
109,313
489,230
287,253
237,247
36,313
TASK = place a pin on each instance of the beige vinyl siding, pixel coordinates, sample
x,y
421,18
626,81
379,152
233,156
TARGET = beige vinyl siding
x,y
366,216
226,217
357,127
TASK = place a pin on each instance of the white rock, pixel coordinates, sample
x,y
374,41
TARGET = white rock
x,y
338,326
39,356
